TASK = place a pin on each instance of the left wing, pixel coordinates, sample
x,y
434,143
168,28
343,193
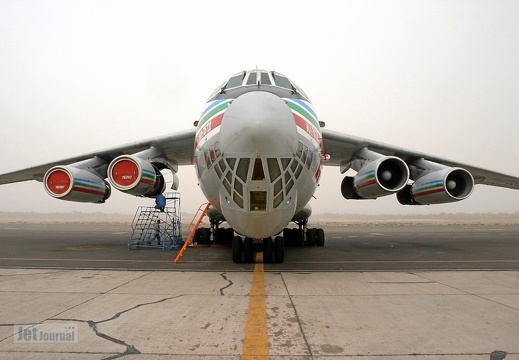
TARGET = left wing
x,y
347,151
177,148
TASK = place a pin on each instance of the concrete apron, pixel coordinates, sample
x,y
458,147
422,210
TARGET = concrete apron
x,y
310,315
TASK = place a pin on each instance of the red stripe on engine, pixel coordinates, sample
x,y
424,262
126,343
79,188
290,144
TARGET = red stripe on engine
x,y
148,182
428,192
87,191
367,183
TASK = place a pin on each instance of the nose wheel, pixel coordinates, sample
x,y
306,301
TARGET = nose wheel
x,y
243,249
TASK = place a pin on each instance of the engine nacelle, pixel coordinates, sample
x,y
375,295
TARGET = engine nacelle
x,y
438,187
135,176
176,181
73,184
380,177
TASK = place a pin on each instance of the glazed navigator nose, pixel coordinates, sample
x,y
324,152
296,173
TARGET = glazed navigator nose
x,y
258,129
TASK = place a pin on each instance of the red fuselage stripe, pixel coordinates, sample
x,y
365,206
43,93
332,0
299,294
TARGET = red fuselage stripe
x,y
306,127
210,126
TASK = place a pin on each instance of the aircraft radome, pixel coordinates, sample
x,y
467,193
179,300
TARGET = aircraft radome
x,y
258,149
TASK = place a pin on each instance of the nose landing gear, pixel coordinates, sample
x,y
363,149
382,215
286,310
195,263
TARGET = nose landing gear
x,y
243,249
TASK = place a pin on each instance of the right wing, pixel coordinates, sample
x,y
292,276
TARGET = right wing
x,y
177,148
343,148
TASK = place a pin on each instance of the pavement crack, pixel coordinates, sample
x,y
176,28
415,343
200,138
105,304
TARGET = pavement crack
x,y
130,349
227,286
136,307
305,339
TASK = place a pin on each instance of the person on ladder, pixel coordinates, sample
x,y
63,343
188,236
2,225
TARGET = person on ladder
x,y
157,233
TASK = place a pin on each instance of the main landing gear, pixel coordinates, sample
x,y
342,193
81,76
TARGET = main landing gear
x,y
244,249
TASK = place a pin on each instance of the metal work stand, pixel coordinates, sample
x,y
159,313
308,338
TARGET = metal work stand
x,y
156,227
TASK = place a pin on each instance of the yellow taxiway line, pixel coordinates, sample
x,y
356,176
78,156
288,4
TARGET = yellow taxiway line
x,y
255,344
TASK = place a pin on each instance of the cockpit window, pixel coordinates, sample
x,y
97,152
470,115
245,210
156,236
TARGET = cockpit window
x,y
257,170
252,79
282,81
265,80
246,81
235,81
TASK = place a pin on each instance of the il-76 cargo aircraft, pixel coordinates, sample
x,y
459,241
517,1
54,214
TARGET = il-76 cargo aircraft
x,y
258,150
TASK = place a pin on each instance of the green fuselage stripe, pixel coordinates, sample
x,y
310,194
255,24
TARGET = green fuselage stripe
x,y
301,110
212,113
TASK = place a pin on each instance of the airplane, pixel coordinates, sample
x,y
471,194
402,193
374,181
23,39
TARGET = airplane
x,y
258,150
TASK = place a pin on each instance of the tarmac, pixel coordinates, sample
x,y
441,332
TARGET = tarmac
x,y
380,290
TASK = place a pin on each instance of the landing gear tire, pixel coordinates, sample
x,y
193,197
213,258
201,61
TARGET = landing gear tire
x,y
268,247
299,238
287,235
310,237
237,249
248,253
205,236
279,249
320,237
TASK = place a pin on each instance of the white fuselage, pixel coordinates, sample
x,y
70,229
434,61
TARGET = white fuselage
x,y
258,159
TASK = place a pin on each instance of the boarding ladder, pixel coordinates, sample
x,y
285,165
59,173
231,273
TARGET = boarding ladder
x,y
193,227
155,227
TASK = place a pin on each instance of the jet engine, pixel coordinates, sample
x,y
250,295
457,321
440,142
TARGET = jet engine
x,y
377,175
133,175
441,185
75,184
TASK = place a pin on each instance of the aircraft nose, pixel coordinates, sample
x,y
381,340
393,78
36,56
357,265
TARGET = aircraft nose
x,y
258,122
259,127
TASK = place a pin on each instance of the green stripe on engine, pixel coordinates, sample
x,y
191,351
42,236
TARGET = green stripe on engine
x,y
89,186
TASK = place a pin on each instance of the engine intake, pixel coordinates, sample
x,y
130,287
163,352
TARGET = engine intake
x,y
439,187
135,176
73,184
382,176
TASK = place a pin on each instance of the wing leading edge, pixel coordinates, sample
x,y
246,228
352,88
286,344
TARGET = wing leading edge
x,y
343,148
177,148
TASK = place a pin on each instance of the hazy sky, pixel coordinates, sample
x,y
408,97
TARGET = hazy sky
x,y
441,77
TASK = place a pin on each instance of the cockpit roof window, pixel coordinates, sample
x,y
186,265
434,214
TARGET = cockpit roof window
x,y
252,78
243,82
265,79
235,81
282,81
